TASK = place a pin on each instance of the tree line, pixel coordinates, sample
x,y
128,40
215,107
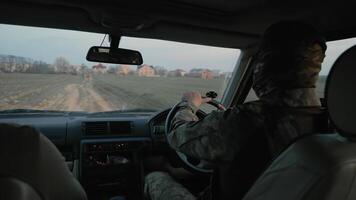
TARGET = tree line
x,y
10,63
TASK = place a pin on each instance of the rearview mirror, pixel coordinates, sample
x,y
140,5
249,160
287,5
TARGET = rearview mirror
x,y
117,56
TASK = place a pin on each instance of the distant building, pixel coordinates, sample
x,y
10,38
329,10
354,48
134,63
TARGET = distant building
x,y
99,68
145,70
74,69
123,70
177,73
201,73
217,73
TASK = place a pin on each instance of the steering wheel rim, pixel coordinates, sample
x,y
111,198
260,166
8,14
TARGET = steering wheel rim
x,y
183,158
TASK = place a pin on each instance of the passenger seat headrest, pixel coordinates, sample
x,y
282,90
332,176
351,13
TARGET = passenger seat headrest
x,y
340,93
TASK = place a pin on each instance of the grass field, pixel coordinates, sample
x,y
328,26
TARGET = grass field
x,y
157,92
100,93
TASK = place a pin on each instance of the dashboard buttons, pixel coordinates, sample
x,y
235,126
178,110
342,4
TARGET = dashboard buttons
x,y
108,147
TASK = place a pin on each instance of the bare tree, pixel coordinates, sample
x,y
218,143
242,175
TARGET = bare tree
x,y
161,71
39,67
62,65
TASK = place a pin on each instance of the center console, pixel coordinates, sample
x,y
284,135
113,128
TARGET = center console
x,y
113,166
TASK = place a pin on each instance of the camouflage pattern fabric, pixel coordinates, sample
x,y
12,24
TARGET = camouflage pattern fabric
x,y
284,77
297,83
219,136
290,57
160,186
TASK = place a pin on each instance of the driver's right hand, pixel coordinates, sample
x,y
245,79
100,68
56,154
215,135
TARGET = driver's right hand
x,y
194,98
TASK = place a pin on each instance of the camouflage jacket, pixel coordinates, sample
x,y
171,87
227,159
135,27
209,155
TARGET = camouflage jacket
x,y
220,135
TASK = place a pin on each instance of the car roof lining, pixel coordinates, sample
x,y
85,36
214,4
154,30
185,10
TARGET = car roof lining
x,y
226,23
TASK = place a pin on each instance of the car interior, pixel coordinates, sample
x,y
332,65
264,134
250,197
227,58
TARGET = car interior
x,y
67,160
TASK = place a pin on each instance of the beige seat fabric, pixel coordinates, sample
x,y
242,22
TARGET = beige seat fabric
x,y
28,157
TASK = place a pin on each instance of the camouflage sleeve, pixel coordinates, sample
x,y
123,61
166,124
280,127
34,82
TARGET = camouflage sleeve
x,y
212,138
161,186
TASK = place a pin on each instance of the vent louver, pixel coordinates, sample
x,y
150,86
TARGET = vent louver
x,y
96,128
107,128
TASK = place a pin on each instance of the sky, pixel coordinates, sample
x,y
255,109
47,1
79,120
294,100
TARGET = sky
x,y
47,44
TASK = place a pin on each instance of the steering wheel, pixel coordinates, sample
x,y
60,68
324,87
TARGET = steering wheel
x,y
191,164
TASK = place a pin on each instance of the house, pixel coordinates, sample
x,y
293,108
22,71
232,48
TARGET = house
x,y
177,73
145,70
123,70
201,73
99,68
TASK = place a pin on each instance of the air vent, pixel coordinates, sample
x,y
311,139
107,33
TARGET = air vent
x,y
120,128
96,128
107,128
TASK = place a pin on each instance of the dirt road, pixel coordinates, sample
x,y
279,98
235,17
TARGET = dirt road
x,y
78,97
56,93
82,97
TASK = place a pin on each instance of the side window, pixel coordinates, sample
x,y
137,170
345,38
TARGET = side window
x,y
334,50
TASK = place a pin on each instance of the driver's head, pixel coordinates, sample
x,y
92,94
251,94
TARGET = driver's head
x,y
289,57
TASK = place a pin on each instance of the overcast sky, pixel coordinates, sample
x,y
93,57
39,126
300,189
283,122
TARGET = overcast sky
x,y
47,44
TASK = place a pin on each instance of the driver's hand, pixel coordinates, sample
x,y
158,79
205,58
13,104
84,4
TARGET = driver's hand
x,y
195,98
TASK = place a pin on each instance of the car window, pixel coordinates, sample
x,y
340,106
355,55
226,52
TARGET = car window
x,y
46,69
334,50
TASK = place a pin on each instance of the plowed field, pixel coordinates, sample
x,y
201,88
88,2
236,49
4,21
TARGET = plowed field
x,y
99,93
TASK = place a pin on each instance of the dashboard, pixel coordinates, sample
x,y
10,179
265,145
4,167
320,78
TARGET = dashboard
x,y
104,151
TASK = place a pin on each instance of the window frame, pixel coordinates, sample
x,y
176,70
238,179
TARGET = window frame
x,y
241,82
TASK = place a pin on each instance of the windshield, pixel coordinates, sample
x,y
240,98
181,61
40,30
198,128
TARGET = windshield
x,y
45,69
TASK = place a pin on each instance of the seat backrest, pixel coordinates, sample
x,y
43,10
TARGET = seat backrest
x,y
316,167
12,188
320,167
32,165
234,179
